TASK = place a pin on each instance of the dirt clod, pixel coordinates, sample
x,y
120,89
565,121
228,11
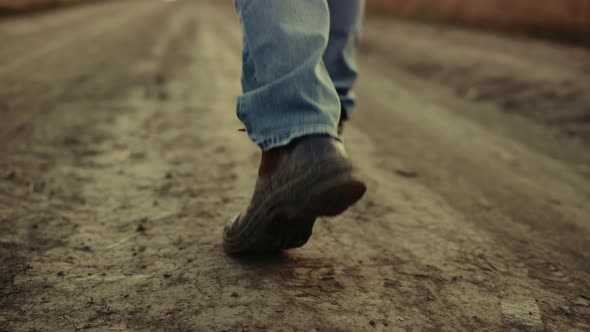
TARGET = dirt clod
x,y
407,173
582,301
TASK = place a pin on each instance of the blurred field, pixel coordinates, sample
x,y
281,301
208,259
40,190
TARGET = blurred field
x,y
560,20
559,15
573,14
568,14
17,6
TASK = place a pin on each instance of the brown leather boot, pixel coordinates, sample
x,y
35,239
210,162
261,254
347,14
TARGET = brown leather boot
x,y
311,177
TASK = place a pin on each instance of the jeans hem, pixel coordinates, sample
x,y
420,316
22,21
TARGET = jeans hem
x,y
284,139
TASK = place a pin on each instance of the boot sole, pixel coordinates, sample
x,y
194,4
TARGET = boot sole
x,y
331,200
291,214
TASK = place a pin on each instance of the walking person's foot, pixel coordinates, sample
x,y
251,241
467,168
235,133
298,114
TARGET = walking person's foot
x,y
311,177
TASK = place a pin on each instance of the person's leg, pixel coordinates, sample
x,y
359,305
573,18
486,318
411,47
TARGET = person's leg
x,y
346,18
288,92
291,109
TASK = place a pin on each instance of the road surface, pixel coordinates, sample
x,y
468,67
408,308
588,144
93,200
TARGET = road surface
x,y
121,161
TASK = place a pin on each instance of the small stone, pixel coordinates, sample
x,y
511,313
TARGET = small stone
x,y
160,79
372,322
85,248
10,175
472,93
35,188
167,275
71,141
163,95
389,283
582,301
508,157
484,203
407,173
522,313
137,155
584,168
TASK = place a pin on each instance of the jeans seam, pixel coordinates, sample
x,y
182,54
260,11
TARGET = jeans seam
x,y
248,42
248,59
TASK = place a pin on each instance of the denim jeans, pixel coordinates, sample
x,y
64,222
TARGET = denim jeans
x,y
298,67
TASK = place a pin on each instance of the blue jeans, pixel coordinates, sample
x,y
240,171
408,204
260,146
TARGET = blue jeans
x,y
298,67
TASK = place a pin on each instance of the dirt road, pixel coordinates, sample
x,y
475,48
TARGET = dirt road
x,y
121,163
